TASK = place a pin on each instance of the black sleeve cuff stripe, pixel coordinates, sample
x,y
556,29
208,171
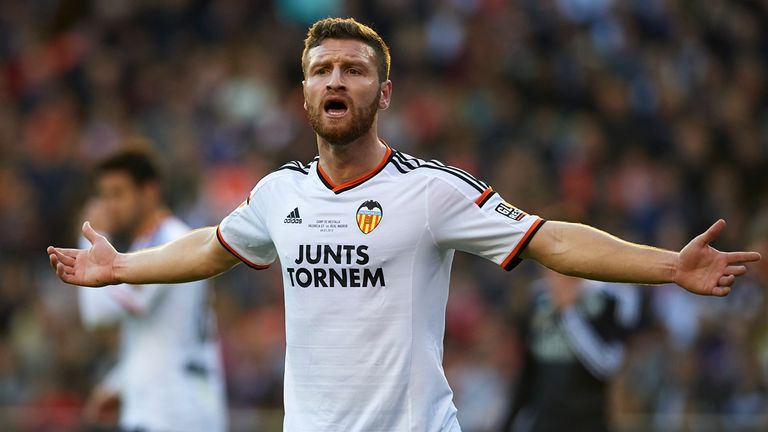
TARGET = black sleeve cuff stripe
x,y
515,259
237,255
293,168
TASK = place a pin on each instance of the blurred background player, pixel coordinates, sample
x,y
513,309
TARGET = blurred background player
x,y
574,335
168,376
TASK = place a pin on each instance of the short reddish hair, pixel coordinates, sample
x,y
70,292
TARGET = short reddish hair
x,y
347,28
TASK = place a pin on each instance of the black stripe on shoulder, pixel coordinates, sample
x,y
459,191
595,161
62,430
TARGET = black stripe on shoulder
x,y
396,164
461,172
295,166
292,168
439,168
413,163
410,162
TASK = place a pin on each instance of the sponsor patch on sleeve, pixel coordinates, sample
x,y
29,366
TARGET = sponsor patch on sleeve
x,y
510,211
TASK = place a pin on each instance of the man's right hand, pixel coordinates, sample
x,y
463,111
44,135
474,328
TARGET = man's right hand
x,y
92,267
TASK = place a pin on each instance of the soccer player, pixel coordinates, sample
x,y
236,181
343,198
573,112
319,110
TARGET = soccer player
x,y
168,376
366,235
574,334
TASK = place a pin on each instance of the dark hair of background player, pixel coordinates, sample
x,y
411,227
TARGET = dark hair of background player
x,y
138,164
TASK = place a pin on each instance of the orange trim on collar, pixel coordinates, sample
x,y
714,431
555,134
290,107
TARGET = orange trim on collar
x,y
357,181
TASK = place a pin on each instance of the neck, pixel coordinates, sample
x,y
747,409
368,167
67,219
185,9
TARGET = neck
x,y
150,223
343,163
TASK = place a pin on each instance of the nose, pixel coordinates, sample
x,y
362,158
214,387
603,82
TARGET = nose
x,y
335,80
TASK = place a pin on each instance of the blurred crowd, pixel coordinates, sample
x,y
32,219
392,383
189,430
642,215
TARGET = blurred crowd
x,y
646,118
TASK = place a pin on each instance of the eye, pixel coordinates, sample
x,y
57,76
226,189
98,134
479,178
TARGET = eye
x,y
354,71
321,71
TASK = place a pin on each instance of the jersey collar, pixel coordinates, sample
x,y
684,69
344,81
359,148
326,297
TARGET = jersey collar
x,y
337,189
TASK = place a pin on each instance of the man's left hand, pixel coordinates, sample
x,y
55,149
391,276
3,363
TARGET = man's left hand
x,y
702,269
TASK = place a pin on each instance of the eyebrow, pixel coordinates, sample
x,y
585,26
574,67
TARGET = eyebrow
x,y
324,61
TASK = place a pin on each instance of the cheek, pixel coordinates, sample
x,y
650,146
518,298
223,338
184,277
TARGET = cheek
x,y
113,209
124,206
312,90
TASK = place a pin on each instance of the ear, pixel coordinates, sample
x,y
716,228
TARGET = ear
x,y
386,95
304,92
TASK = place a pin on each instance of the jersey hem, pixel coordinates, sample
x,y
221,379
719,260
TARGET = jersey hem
x,y
231,250
513,259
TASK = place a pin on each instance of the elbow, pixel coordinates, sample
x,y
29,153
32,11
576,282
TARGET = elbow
x,y
572,249
215,269
549,248
217,259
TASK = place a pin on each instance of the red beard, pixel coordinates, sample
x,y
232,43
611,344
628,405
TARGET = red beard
x,y
348,130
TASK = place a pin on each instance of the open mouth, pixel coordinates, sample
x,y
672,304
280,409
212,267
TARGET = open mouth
x,y
335,107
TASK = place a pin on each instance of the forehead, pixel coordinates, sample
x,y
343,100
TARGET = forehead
x,y
114,178
341,50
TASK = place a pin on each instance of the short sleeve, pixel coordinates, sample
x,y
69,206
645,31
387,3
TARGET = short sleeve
x,y
245,234
479,222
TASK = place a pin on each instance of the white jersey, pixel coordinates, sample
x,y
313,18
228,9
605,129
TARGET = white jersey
x,y
169,372
366,266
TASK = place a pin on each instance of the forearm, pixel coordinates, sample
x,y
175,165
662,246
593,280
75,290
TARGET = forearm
x,y
194,256
586,252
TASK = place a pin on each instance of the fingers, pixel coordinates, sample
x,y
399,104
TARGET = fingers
x,y
742,257
736,270
720,291
65,272
62,263
54,260
711,234
66,259
726,281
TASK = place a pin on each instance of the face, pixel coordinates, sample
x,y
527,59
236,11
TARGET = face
x,y
342,92
123,202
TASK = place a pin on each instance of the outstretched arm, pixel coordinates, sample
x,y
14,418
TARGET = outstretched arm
x,y
196,255
583,251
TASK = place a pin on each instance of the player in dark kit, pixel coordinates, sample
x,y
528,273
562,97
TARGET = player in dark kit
x,y
368,358
574,333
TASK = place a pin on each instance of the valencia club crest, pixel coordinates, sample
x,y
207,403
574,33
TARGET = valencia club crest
x,y
369,215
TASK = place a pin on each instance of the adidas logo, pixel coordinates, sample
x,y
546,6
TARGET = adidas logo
x,y
293,217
